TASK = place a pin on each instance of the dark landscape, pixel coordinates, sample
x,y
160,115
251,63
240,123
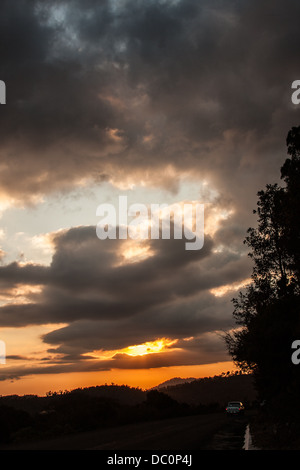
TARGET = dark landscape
x,y
29,421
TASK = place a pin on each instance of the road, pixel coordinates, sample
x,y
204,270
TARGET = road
x,y
201,432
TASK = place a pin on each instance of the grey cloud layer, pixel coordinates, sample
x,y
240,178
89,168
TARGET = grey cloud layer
x,y
108,306
208,81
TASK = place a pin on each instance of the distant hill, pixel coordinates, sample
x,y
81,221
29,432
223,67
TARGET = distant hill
x,y
219,389
174,381
122,394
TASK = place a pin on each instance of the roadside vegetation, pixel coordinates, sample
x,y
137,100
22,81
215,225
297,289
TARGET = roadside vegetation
x,y
267,312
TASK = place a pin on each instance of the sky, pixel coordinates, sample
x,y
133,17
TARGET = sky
x,y
164,102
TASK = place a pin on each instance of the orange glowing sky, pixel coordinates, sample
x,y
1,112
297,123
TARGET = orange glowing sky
x,y
143,378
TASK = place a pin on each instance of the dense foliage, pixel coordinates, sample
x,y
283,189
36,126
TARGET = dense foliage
x,y
267,313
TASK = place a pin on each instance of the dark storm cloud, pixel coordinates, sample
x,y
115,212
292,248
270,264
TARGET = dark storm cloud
x,y
108,306
175,320
87,280
209,81
14,274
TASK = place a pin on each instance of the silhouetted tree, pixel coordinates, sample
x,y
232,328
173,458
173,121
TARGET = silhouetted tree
x,y
267,312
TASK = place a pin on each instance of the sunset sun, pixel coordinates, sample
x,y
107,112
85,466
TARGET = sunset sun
x,y
150,347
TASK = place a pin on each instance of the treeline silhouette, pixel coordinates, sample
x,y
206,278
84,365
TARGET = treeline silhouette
x,y
32,417
267,311
219,389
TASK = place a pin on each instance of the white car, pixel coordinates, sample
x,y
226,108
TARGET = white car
x,y
235,407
